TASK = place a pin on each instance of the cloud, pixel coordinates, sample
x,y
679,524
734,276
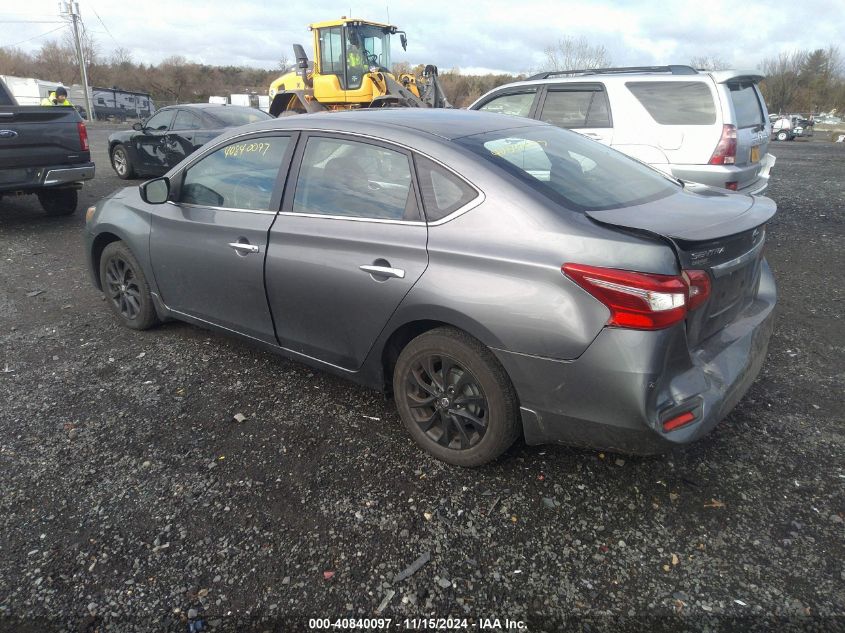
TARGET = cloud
x,y
494,34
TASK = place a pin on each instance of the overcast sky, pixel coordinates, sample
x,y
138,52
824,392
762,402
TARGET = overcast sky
x,y
474,35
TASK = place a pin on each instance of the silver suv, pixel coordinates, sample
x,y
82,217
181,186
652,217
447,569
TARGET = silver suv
x,y
707,127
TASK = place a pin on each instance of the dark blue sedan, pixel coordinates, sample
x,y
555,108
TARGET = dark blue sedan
x,y
153,146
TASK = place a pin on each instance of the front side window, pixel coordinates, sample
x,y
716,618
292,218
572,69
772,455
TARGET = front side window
x,y
676,102
569,169
240,175
514,104
348,178
331,51
159,121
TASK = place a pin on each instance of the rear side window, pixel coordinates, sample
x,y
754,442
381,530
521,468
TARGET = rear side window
x,y
514,104
576,108
442,191
348,178
746,105
234,116
676,102
186,121
238,176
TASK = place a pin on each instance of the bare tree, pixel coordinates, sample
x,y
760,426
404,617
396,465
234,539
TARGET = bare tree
x,y
90,48
284,64
121,57
13,61
782,79
575,54
708,62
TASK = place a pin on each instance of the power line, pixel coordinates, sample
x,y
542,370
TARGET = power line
x,y
33,38
104,24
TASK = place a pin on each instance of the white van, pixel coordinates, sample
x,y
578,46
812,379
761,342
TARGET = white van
x,y
707,127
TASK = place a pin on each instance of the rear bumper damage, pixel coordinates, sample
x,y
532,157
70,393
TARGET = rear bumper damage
x,y
619,393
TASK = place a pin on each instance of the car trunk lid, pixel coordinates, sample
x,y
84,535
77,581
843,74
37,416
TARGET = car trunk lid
x,y
722,234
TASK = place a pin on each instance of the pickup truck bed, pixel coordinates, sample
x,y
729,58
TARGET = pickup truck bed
x,y
43,151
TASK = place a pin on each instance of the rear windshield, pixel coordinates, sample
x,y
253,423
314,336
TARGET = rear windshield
x,y
571,170
237,115
676,102
746,105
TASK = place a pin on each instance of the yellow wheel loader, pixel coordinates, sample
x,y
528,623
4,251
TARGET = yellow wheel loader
x,y
351,69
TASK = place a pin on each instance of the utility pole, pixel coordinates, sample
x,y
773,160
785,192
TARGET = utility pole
x,y
70,10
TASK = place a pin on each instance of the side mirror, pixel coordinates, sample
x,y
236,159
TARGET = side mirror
x,y
403,39
155,191
138,127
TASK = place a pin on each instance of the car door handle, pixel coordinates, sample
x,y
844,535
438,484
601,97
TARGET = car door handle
x,y
243,249
384,271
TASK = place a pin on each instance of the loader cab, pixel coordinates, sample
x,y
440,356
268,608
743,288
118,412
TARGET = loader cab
x,y
346,50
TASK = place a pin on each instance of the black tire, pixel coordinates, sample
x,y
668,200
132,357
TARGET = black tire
x,y
782,136
121,163
126,289
58,201
479,422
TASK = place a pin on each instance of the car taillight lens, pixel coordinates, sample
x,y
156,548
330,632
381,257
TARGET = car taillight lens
x,y
725,153
83,136
642,301
699,288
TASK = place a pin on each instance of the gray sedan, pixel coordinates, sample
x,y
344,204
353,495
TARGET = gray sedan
x,y
500,277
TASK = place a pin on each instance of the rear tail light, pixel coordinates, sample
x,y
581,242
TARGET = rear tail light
x,y
725,153
83,136
731,185
642,301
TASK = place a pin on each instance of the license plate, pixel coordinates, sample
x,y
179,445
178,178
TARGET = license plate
x,y
755,154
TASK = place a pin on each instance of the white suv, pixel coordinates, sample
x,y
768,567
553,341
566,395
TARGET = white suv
x,y
706,127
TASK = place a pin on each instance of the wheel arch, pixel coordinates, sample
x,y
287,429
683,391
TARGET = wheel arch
x,y
402,331
114,143
97,247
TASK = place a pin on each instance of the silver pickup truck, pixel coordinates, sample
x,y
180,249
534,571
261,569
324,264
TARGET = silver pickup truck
x,y
43,151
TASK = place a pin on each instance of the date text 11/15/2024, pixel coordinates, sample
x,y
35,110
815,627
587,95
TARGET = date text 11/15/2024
x,y
419,624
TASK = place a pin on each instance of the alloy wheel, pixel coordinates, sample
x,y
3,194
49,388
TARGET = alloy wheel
x,y
119,161
123,288
447,402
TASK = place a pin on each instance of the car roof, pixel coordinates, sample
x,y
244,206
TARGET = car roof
x,y
392,123
203,106
719,76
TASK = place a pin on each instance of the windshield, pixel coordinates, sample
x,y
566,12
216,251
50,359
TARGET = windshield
x,y
569,169
234,115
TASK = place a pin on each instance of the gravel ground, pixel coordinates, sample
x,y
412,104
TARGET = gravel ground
x,y
131,501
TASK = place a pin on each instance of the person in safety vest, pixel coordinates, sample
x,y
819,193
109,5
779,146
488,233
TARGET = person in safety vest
x,y
57,98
